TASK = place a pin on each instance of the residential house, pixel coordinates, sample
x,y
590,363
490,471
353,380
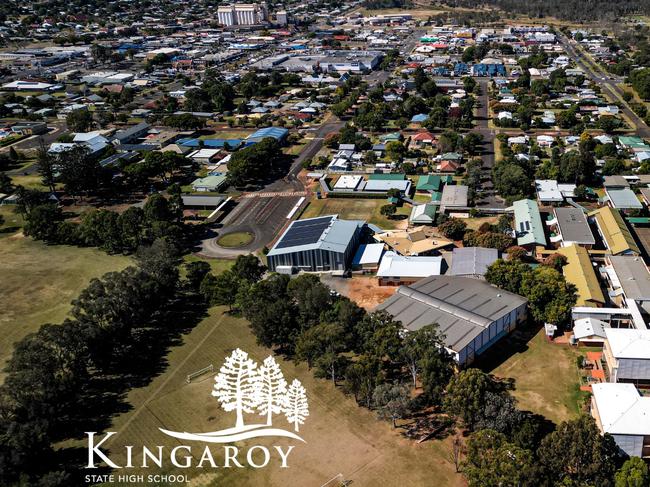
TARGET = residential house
x,y
529,229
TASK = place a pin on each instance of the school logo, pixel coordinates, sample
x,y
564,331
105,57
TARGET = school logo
x,y
241,386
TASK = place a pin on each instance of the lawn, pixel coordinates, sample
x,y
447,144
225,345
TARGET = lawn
x,y
30,181
235,239
39,281
217,265
547,380
340,436
356,209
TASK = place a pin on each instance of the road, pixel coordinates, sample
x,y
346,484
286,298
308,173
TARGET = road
x,y
489,198
603,80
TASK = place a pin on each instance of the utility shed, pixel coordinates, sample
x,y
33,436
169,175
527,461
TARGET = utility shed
x,y
317,244
472,314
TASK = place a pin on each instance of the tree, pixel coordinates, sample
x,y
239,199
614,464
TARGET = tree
x,y
508,275
392,401
221,290
549,296
254,163
272,389
160,261
493,462
47,168
310,296
321,345
437,368
79,120
415,346
78,171
195,272
270,312
42,222
296,408
471,142
236,385
361,378
466,395
388,210
576,451
249,268
130,225
633,473
453,228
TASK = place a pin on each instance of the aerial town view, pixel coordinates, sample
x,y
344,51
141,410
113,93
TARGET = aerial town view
x,y
325,243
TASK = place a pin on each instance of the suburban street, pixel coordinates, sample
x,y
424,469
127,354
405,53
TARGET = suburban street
x,y
610,85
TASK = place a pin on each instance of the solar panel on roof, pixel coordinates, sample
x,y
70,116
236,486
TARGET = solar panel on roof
x,y
304,232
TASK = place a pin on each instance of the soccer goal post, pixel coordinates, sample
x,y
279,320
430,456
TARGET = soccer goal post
x,y
337,481
198,373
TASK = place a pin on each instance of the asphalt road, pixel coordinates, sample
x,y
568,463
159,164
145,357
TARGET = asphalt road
x,y
607,84
488,197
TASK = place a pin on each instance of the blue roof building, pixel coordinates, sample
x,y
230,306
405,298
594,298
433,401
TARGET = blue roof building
x,y
278,133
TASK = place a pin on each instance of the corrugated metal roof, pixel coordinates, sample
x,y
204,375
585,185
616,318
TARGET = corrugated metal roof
x,y
633,369
630,444
528,223
462,307
616,234
573,226
469,261
633,276
579,272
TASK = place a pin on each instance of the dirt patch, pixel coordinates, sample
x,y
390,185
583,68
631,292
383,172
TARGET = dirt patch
x,y
367,293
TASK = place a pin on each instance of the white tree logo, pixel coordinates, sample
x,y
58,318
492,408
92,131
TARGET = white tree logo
x,y
295,405
243,387
272,389
236,385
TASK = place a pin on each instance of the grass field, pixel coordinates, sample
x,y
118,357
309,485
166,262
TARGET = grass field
x,y
235,239
356,209
547,380
39,281
340,436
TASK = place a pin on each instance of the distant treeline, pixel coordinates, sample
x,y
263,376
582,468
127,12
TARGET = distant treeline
x,y
574,10
377,4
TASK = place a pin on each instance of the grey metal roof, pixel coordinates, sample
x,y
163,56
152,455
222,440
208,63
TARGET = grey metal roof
x,y
633,276
631,368
468,261
197,200
321,233
454,195
630,444
462,307
623,198
573,226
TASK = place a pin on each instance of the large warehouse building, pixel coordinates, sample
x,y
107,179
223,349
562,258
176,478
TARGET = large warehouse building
x,y
317,244
471,314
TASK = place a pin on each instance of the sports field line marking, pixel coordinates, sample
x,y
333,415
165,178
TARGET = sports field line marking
x,y
143,406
